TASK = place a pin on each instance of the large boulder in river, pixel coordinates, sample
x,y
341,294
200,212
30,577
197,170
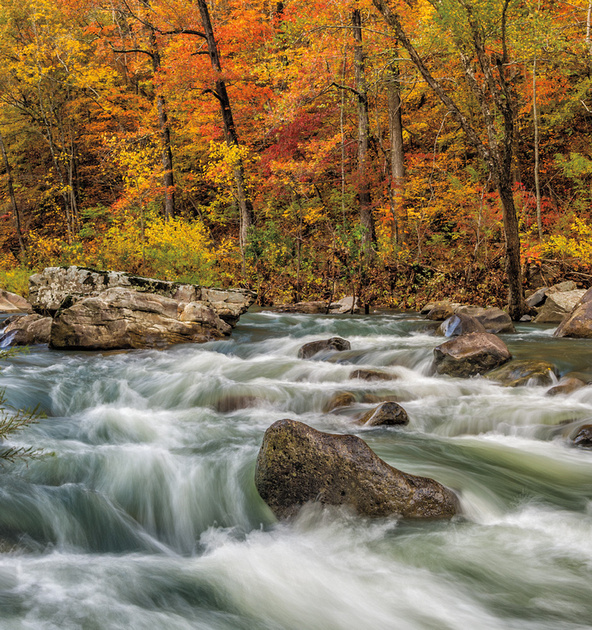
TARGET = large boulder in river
x,y
493,319
460,324
123,318
335,344
470,354
525,372
298,464
558,305
26,330
578,323
49,289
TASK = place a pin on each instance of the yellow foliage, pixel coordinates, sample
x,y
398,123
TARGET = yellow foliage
x,y
578,244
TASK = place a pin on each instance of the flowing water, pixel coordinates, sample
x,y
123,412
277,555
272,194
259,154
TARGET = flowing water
x,y
145,515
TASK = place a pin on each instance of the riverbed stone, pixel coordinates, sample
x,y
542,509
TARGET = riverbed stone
x,y
386,414
459,324
578,323
566,385
122,318
537,298
583,437
26,330
524,372
339,400
297,465
558,305
470,354
373,375
334,344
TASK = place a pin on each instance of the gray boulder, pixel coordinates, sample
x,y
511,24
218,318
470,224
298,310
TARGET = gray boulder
x,y
123,318
459,324
335,344
441,311
298,464
558,305
26,330
470,354
49,289
578,323
537,298
386,414
524,372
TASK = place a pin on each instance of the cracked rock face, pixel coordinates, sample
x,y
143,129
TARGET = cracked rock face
x,y
298,464
122,318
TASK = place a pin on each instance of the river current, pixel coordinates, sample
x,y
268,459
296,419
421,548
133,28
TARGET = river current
x,y
143,513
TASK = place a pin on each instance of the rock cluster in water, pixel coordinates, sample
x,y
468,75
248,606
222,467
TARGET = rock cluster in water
x,y
298,464
80,308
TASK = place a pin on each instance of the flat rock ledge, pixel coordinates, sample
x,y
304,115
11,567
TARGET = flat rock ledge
x,y
298,464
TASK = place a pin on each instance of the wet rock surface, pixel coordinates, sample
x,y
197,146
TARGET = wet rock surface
x,y
298,464
26,330
386,414
373,375
524,372
459,324
334,344
470,354
566,385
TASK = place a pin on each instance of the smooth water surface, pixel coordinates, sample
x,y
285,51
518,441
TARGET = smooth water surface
x,y
146,514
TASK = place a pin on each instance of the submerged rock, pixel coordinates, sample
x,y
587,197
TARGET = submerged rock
x,y
121,318
566,385
339,400
525,372
335,344
373,375
583,437
470,354
386,414
298,464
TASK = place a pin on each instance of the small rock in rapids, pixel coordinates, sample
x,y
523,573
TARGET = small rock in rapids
x,y
340,399
583,437
373,375
524,372
566,385
298,464
335,344
386,414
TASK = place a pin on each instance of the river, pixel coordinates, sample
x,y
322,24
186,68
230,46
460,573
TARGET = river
x,y
143,513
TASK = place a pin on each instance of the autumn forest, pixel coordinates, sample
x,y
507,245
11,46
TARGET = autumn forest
x,y
400,150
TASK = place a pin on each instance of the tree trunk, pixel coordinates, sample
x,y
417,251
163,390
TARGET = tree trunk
x,y
230,133
397,154
15,211
366,220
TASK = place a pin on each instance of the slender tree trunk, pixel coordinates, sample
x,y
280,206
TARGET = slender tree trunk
x,y
230,133
537,183
397,154
168,178
366,220
15,211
